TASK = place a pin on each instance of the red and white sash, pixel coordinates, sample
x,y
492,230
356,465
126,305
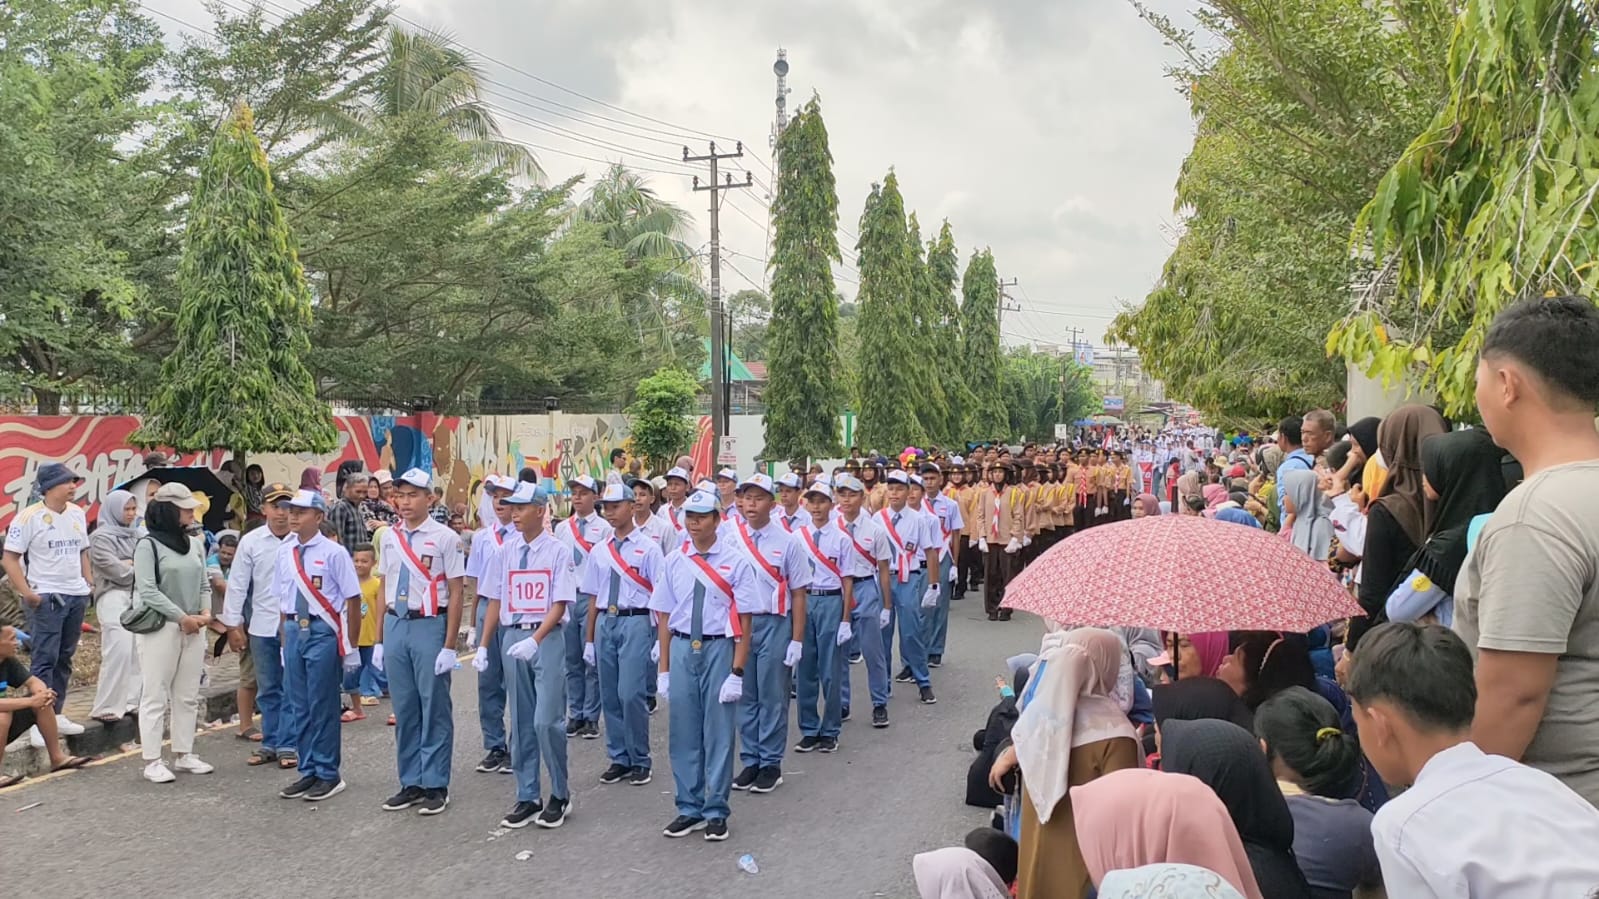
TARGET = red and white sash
x,y
623,568
677,523
577,534
432,606
901,557
865,553
771,571
720,584
816,551
324,607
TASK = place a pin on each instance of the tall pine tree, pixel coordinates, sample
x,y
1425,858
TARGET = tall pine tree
x,y
803,394
888,383
988,418
930,406
943,275
236,378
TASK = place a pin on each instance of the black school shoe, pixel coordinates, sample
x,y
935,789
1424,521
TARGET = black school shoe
x,y
716,830
843,713
807,744
324,789
407,797
770,778
880,716
496,761
935,661
829,744
746,778
574,727
615,774
904,676
522,814
299,788
927,696
433,802
683,825
554,814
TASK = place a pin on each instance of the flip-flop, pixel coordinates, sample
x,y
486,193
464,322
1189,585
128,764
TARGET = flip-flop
x,y
261,757
253,734
12,780
108,719
352,715
77,761
288,760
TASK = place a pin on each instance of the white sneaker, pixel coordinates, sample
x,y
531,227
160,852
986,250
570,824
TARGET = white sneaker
x,y
67,727
35,739
157,773
191,764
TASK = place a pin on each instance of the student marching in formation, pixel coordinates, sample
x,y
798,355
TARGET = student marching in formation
x,y
946,514
581,532
486,541
868,567
1000,520
321,604
621,574
705,599
790,511
529,583
421,566
645,496
727,493
829,607
914,534
775,637
677,490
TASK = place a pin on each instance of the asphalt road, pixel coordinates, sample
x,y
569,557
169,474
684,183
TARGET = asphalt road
x,y
842,825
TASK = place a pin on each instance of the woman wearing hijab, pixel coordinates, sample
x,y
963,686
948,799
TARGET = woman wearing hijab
x,y
1167,882
1237,515
1197,655
1463,473
1396,521
1228,760
169,576
1310,530
1187,485
1214,495
1070,732
111,561
1368,472
956,873
1130,819
1145,504
1198,698
311,478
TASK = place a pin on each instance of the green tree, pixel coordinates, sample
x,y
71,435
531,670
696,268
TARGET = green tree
x,y
81,198
661,417
929,403
749,315
943,278
1043,390
888,386
805,389
1493,200
237,378
1298,116
987,416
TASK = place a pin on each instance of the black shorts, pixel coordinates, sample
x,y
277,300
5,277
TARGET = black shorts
x,y
21,721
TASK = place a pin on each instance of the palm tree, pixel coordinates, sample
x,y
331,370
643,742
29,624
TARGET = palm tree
x,y
426,73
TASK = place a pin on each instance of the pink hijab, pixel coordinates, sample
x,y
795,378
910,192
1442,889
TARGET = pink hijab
x,y
1212,648
1215,495
1136,817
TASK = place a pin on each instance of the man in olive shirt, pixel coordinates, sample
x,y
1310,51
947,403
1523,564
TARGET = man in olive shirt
x,y
1528,596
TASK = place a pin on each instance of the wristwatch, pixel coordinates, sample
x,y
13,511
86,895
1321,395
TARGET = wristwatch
x,y
737,671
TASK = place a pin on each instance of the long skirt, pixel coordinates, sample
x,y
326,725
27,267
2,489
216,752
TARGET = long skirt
x,y
1050,865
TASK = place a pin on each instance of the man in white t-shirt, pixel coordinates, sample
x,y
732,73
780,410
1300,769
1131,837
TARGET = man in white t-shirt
x,y
47,562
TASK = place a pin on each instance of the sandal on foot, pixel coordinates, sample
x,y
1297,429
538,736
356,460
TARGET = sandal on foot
x,y
253,734
108,719
352,715
12,780
77,761
391,720
261,757
288,760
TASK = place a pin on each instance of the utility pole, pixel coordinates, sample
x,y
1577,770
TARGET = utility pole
x,y
1073,331
719,337
1003,299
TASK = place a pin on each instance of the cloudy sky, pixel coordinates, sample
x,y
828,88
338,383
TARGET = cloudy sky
x,y
1043,129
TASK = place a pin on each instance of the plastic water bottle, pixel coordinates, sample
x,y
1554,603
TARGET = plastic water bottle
x,y
746,863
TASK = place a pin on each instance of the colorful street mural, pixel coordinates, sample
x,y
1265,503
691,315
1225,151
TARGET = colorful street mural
x,y
459,451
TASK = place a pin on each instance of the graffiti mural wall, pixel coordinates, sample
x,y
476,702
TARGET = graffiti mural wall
x,y
459,451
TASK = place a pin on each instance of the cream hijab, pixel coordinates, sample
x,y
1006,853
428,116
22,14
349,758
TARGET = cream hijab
x,y
956,873
1068,702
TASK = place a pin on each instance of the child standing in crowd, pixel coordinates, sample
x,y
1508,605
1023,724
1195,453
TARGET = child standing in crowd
x,y
365,684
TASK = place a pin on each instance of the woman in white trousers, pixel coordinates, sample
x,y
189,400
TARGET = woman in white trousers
x,y
111,559
169,576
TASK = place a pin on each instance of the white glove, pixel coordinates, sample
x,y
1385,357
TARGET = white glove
x,y
1014,546
352,661
884,617
845,632
588,654
791,657
663,684
471,636
524,651
446,662
377,656
655,651
982,544
1027,541
480,659
732,689
930,598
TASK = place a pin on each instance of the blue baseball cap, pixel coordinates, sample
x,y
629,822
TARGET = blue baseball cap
x,y
309,499
702,502
53,474
527,494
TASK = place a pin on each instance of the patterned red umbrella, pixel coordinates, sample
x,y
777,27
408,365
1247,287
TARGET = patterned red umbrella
x,y
1180,573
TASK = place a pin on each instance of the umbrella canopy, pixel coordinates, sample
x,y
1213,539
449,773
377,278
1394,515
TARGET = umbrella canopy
x,y
1180,573
199,479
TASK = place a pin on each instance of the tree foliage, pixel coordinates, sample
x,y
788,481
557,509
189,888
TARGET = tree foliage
x,y
1300,111
237,378
1042,390
661,416
987,416
888,374
943,276
1493,199
804,390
